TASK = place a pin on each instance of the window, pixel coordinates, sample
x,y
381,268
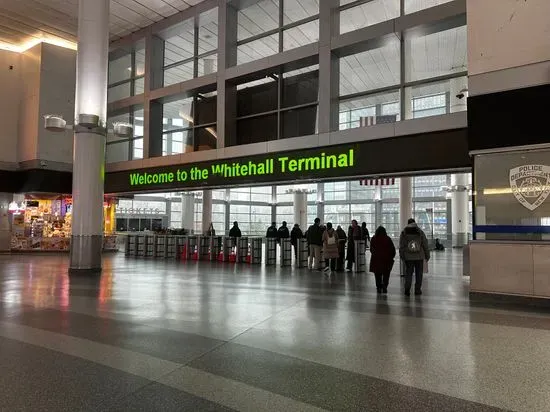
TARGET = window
x,y
412,6
126,72
370,109
125,148
253,219
429,186
432,218
390,219
189,125
190,48
264,29
366,14
435,54
432,99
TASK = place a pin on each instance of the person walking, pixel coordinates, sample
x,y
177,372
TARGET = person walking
x,y
271,231
413,250
342,238
330,248
354,235
382,258
235,231
315,242
295,236
211,232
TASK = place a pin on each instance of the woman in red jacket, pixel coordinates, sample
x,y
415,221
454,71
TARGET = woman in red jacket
x,y
382,258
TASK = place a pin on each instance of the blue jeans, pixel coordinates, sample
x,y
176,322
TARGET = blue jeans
x,y
416,267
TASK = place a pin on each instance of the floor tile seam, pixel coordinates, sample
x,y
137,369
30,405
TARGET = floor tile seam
x,y
449,394
77,340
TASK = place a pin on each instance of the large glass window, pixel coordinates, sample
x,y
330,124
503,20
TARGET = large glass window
x,y
371,109
267,27
390,219
121,148
190,48
189,124
435,54
429,186
432,99
354,17
126,72
412,6
432,218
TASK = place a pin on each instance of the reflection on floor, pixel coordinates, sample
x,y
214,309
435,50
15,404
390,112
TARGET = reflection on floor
x,y
160,336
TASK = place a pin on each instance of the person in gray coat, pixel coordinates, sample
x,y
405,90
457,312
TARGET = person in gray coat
x,y
413,250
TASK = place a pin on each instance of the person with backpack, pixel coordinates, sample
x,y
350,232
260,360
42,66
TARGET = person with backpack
x,y
330,248
271,231
382,258
283,232
295,235
413,250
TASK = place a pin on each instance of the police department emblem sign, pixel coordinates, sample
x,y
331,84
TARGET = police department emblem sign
x,y
530,184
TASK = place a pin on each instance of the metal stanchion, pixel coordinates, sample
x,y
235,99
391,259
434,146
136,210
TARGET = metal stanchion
x,y
242,250
270,251
303,254
360,258
215,247
204,247
286,253
256,251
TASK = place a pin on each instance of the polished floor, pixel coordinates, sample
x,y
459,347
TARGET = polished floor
x,y
166,336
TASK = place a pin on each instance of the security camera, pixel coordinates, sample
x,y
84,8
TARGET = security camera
x,y
461,94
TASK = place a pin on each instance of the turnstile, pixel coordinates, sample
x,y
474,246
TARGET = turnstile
x,y
242,249
131,245
149,242
190,246
270,251
170,247
303,254
140,243
204,247
180,242
215,247
360,257
159,250
256,251
286,253
228,244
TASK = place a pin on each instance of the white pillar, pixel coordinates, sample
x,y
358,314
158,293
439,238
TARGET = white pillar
x,y
206,210
405,201
300,208
459,209
188,211
89,143
456,88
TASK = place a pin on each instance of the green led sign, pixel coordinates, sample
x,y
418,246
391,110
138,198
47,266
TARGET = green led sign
x,y
277,165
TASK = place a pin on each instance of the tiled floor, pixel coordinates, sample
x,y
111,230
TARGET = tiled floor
x,y
161,336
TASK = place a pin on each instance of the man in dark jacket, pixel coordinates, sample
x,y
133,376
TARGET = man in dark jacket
x,y
235,231
271,231
315,241
283,232
365,235
413,250
295,235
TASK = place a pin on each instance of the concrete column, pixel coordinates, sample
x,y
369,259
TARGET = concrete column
x,y
188,211
206,210
300,208
89,143
405,201
320,203
459,209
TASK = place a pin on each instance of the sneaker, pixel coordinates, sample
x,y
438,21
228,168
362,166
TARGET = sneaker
x,y
384,290
379,290
407,293
418,292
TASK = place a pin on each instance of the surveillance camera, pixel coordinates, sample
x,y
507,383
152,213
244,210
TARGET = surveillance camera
x,y
460,96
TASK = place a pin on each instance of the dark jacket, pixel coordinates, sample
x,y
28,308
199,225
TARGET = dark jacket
x,y
365,234
295,234
271,232
235,232
342,238
411,236
315,235
283,233
354,233
382,254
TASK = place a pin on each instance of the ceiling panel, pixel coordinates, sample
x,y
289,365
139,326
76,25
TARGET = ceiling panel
x,y
22,21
